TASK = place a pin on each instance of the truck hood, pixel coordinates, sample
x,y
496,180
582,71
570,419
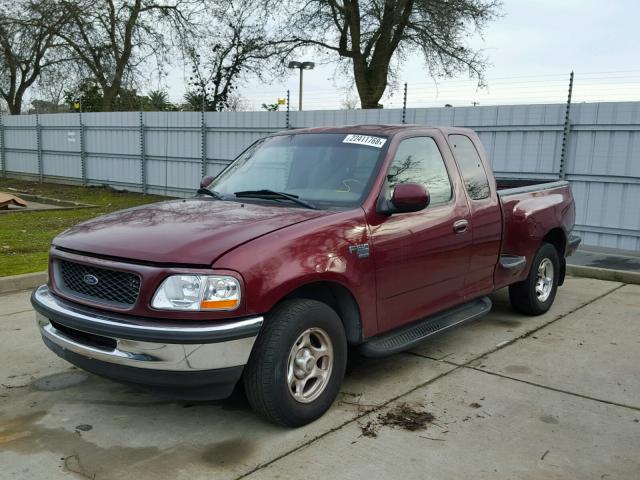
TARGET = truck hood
x,y
194,231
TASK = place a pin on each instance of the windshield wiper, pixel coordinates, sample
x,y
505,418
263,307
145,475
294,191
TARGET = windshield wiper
x,y
212,193
272,194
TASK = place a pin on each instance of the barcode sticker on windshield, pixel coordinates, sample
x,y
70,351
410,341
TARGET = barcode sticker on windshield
x,y
365,140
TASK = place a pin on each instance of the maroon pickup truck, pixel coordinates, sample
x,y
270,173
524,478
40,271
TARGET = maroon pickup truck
x,y
313,240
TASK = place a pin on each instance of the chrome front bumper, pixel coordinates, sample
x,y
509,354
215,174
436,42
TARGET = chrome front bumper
x,y
142,343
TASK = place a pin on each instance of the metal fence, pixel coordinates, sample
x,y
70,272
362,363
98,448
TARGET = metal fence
x,y
168,152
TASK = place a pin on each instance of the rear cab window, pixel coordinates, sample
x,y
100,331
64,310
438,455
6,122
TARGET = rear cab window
x,y
418,160
473,173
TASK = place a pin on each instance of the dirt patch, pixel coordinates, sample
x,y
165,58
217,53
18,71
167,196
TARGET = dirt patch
x,y
59,381
407,417
27,203
370,429
549,419
26,435
228,452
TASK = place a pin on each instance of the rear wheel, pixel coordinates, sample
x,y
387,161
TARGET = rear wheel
x,y
535,295
297,364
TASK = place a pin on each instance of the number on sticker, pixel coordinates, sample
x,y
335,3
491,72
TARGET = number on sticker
x,y
367,140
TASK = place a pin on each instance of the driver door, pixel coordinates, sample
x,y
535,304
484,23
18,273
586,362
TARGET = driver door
x,y
420,258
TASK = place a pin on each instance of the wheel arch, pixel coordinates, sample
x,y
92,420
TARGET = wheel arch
x,y
558,238
340,299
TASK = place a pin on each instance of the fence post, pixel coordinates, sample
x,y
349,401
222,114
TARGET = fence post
x,y
566,131
39,146
83,152
143,155
404,105
3,159
203,144
288,124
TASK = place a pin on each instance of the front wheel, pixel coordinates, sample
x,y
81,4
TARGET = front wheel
x,y
297,365
535,295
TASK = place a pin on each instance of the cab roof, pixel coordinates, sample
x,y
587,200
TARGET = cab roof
x,y
368,129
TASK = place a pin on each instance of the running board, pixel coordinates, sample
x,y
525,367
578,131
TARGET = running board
x,y
406,337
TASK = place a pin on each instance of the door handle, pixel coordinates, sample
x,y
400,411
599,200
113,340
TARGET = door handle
x,y
460,226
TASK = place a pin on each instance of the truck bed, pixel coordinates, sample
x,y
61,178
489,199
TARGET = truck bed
x,y
510,186
531,210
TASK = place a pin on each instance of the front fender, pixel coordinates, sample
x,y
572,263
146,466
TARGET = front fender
x,y
313,251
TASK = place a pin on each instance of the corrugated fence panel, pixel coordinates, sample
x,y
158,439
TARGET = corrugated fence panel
x,y
525,141
113,148
603,166
60,142
20,147
156,140
184,150
229,133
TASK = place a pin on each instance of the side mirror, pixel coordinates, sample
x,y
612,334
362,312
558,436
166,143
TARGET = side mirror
x,y
407,197
206,181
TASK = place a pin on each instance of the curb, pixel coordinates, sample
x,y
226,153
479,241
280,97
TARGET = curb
x,y
26,281
624,276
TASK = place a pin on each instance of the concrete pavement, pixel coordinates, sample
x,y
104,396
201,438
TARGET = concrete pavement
x,y
554,396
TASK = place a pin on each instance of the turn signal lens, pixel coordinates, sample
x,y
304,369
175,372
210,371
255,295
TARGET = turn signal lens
x,y
221,293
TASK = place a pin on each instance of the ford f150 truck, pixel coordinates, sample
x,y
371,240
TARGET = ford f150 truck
x,y
312,241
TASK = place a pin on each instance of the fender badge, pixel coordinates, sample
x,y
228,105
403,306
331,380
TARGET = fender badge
x,y
361,251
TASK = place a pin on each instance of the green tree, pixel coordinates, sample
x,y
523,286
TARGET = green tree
x,y
86,97
158,100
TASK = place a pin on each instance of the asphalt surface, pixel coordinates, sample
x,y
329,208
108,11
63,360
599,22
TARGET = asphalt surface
x,y
508,396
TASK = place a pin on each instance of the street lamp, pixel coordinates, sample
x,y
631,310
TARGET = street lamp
x,y
302,66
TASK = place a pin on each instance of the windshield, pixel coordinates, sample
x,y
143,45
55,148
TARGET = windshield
x,y
324,169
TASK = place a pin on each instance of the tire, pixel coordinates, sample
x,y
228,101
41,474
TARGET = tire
x,y
527,296
281,366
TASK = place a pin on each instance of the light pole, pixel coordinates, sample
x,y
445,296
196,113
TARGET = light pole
x,y
301,66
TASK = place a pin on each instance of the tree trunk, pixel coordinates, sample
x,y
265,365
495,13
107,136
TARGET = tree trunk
x,y
108,98
15,106
370,83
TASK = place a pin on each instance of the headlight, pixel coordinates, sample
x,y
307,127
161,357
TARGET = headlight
x,y
197,292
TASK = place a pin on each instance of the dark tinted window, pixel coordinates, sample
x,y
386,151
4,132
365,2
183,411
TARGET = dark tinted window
x,y
473,174
418,160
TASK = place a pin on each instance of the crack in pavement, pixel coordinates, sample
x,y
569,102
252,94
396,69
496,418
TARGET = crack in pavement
x,y
16,313
502,345
455,368
350,421
553,389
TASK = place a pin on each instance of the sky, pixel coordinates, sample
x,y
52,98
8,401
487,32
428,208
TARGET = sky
x,y
531,50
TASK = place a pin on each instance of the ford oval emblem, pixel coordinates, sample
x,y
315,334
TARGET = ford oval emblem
x,y
90,279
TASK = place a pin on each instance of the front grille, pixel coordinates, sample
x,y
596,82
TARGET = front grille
x,y
98,284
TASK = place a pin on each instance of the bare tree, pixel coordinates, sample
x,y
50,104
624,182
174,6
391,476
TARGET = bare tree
x,y
349,102
114,38
377,35
239,41
54,81
28,32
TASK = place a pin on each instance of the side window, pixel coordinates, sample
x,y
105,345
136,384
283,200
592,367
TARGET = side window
x,y
473,174
418,160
